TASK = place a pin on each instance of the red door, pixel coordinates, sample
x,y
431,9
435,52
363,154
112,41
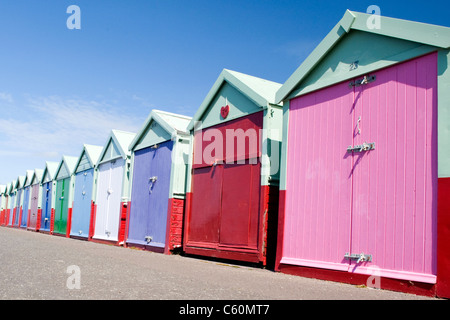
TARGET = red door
x,y
225,213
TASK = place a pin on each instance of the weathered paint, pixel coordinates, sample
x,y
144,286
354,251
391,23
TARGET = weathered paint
x,y
148,213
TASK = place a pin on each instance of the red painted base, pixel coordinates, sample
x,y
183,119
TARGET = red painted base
x,y
440,289
122,226
174,229
443,238
418,288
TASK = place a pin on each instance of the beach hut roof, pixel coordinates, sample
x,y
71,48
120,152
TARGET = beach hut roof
x,y
260,91
116,145
173,124
427,34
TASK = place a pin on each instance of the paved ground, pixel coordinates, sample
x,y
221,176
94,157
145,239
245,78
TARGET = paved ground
x,y
34,266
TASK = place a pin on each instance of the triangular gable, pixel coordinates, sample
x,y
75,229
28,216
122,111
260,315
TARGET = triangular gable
x,y
12,187
37,176
2,189
159,127
49,171
66,167
88,158
116,146
28,177
424,35
19,182
251,94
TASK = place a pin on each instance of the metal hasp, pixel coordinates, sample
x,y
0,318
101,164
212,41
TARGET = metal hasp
x,y
358,257
360,82
362,147
148,239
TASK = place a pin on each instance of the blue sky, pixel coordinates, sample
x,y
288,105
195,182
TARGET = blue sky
x,y
61,88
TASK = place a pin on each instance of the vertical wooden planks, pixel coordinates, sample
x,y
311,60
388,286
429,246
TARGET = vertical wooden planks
x,y
318,172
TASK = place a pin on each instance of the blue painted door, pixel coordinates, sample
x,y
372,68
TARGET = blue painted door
x,y
150,195
18,206
46,206
26,205
81,211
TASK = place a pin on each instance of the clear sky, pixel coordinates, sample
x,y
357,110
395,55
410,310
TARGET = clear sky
x,y
62,88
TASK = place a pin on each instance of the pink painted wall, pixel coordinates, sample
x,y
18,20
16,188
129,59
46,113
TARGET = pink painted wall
x,y
380,202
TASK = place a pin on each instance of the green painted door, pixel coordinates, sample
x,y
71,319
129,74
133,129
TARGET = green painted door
x,y
61,206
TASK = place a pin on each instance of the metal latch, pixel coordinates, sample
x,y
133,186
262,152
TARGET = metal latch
x,y
152,181
365,80
358,257
362,147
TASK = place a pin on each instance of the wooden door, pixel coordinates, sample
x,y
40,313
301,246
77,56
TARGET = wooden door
x,y
150,195
25,207
46,206
394,186
103,180
81,211
361,175
34,206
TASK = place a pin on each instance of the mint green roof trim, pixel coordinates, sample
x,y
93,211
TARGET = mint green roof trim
x,y
262,92
121,140
37,176
173,124
426,34
28,177
19,182
50,169
12,186
69,163
92,153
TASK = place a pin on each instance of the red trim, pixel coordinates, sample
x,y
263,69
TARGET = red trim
x,y
443,236
280,234
92,222
52,220
69,222
127,224
424,289
122,222
38,222
174,226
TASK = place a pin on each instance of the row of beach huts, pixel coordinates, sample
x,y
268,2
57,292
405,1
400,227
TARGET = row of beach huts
x,y
341,173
